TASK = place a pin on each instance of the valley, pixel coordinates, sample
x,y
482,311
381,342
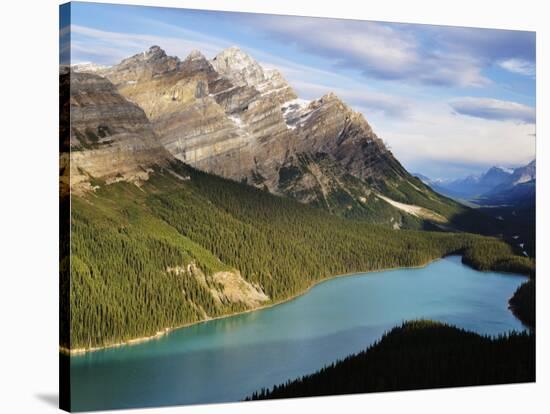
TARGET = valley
x,y
203,191
204,188
126,240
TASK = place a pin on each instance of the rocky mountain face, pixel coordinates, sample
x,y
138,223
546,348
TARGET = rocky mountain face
x,y
151,63
338,161
109,137
328,125
238,67
242,70
217,123
230,117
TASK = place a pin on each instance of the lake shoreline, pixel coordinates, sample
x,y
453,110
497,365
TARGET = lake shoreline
x,y
165,331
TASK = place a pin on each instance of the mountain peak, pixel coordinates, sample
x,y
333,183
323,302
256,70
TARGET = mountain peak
x,y
330,96
238,67
234,55
195,55
232,50
154,52
144,65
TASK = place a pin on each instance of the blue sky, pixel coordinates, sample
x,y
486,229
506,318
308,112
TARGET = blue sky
x,y
449,101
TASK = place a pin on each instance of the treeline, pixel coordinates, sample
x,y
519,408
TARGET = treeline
x,y
523,303
419,355
493,254
283,245
124,239
120,288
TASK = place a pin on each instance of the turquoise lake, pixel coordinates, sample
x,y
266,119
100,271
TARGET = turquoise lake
x,y
228,359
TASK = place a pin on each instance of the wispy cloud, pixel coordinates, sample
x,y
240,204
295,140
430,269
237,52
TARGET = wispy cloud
x,y
520,66
432,139
494,109
109,47
376,50
422,54
486,45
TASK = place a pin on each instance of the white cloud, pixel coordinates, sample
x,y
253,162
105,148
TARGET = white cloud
x,y
494,109
376,49
520,66
432,135
108,47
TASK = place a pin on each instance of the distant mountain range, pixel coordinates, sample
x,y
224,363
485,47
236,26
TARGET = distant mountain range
x,y
497,185
507,195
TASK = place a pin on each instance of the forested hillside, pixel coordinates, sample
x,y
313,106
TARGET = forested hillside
x,y
419,355
186,246
523,303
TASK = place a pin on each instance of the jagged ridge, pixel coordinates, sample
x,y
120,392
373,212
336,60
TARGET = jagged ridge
x,y
230,117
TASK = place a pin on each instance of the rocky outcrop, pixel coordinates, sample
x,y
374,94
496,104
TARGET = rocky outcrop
x,y
329,126
110,138
233,288
226,287
276,87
